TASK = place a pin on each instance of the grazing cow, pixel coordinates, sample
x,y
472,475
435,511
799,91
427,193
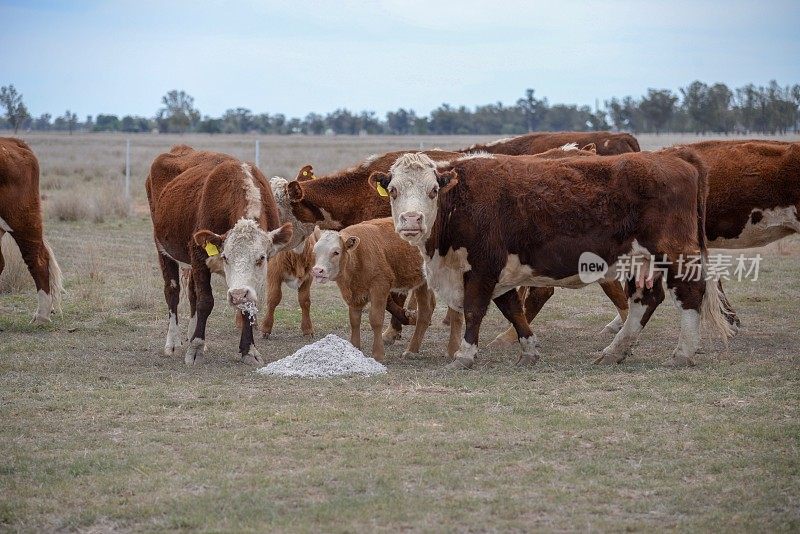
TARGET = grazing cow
x,y
21,218
216,214
368,261
606,143
293,268
487,224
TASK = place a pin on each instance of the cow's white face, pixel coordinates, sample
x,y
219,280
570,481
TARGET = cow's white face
x,y
300,230
329,251
243,253
414,184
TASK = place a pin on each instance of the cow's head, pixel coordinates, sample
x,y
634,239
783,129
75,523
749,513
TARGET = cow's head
x,y
241,254
305,173
300,230
414,185
330,253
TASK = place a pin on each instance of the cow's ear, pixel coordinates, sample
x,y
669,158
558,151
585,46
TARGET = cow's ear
x,y
351,242
295,191
281,236
306,173
591,147
380,182
447,180
209,241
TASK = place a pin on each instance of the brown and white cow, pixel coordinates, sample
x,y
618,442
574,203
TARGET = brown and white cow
x,y
487,224
607,143
216,214
368,261
753,200
21,219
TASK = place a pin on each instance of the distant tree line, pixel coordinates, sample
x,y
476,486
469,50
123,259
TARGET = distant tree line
x,y
698,108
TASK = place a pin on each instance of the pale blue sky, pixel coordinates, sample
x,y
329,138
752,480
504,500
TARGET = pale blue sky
x,y
300,56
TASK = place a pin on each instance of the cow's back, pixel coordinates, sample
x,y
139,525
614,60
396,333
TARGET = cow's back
x,y
19,183
607,143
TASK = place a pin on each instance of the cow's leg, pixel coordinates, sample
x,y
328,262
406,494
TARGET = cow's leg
x,y
355,325
425,305
172,295
511,307
205,303
456,321
191,292
641,305
395,303
247,345
377,309
534,301
614,291
477,296
304,299
274,296
2,261
38,260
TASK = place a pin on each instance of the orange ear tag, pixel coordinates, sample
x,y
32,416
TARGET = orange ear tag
x,y
381,191
211,249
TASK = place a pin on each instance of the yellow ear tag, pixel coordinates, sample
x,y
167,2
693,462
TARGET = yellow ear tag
x,y
381,191
305,173
211,249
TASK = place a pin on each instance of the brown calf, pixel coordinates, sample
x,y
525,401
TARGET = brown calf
x,y
216,214
293,268
368,261
606,143
21,218
487,224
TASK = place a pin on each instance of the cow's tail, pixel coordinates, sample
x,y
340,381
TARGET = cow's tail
x,y
56,278
715,310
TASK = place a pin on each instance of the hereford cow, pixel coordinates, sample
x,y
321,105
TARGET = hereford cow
x,y
607,143
216,214
21,218
368,261
487,224
293,268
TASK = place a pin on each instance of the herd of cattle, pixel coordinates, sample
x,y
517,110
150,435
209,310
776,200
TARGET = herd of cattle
x,y
505,222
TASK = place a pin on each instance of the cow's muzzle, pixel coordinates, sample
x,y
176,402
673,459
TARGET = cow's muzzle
x,y
320,274
241,295
411,224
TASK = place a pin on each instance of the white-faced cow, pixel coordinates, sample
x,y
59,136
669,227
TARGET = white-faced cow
x,y
216,214
21,218
488,224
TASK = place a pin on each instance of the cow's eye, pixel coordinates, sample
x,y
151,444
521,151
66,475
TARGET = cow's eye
x,y
434,191
393,192
225,258
335,253
261,260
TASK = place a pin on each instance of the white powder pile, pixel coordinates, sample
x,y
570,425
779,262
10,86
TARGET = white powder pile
x,y
330,356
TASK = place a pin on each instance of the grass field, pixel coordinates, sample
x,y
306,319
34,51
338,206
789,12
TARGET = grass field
x,y
100,432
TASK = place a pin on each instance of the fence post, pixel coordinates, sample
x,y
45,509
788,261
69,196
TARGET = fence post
x,y
258,153
128,169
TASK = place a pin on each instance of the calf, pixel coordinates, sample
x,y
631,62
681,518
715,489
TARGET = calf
x,y
368,261
488,224
216,214
293,268
21,218
606,143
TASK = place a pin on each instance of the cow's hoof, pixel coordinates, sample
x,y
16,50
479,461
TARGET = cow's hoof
x,y
679,361
265,335
39,320
308,334
253,358
608,358
527,359
412,355
390,336
171,347
195,352
460,363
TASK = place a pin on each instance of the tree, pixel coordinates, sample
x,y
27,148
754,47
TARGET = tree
x,y
69,121
16,112
178,114
532,109
658,107
42,122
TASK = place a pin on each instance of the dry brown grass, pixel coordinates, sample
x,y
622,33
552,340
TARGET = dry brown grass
x,y
15,277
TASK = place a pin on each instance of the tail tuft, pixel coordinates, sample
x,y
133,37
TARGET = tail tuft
x,y
716,313
56,278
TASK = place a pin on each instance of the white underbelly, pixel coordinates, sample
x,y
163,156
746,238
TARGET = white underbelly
x,y
774,224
